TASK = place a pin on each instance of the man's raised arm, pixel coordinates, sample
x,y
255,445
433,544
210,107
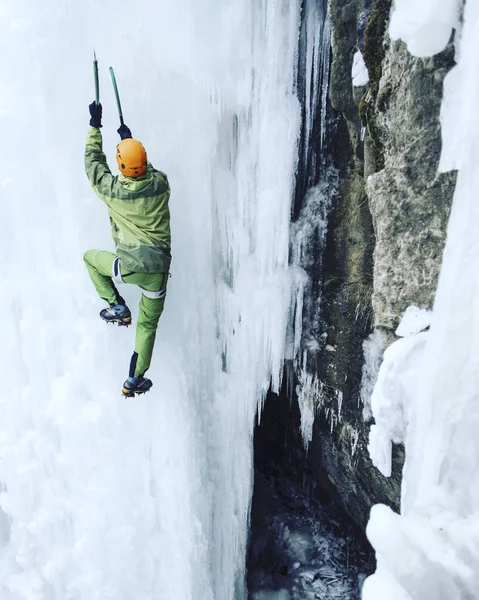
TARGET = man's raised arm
x,y
96,166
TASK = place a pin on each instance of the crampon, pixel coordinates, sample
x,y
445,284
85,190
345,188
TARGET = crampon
x,y
136,385
117,313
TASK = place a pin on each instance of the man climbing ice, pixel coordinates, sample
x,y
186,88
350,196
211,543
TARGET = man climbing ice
x,y
137,201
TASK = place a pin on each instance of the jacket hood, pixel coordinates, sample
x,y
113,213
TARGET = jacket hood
x,y
136,184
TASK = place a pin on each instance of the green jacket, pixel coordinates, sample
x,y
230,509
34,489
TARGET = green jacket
x,y
138,207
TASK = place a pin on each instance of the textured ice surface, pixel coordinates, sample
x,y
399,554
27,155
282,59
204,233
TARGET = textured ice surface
x,y
103,498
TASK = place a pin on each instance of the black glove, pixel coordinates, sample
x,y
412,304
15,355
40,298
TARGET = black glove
x,y
95,113
124,132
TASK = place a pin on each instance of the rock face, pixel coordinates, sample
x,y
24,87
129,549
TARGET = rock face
x,y
384,243
409,200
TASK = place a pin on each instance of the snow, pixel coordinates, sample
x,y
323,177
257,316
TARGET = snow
x,y
395,385
393,397
103,498
359,71
425,26
414,321
431,550
373,350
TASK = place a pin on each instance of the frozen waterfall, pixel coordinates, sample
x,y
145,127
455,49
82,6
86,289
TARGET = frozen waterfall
x,y
100,497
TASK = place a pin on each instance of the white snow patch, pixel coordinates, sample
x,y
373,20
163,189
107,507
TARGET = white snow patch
x,y
383,585
414,321
373,350
425,26
359,71
393,395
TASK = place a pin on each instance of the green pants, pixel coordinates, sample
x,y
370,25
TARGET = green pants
x,y
100,266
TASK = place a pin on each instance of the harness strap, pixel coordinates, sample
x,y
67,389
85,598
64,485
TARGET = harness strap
x,y
116,274
155,295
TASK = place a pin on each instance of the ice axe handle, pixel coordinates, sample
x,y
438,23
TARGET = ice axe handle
x,y
117,96
97,85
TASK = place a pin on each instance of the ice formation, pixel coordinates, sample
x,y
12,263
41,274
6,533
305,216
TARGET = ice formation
x,y
373,350
393,397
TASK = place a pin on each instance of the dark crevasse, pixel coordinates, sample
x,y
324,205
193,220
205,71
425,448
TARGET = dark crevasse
x,y
302,545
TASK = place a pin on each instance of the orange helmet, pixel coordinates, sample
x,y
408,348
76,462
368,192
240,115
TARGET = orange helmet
x,y
131,158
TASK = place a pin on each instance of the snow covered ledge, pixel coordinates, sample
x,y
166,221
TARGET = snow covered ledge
x,y
431,550
394,393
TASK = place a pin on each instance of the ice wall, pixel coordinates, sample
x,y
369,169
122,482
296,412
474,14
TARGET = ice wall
x,y
103,498
431,550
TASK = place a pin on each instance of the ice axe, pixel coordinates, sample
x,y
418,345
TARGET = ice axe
x,y
95,75
117,96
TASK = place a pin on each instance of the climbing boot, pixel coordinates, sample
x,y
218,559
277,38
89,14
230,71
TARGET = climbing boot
x,y
117,313
136,385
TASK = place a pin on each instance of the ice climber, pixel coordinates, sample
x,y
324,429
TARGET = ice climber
x,y
137,201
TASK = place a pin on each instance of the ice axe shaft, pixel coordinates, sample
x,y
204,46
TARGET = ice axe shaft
x,y
117,96
95,75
